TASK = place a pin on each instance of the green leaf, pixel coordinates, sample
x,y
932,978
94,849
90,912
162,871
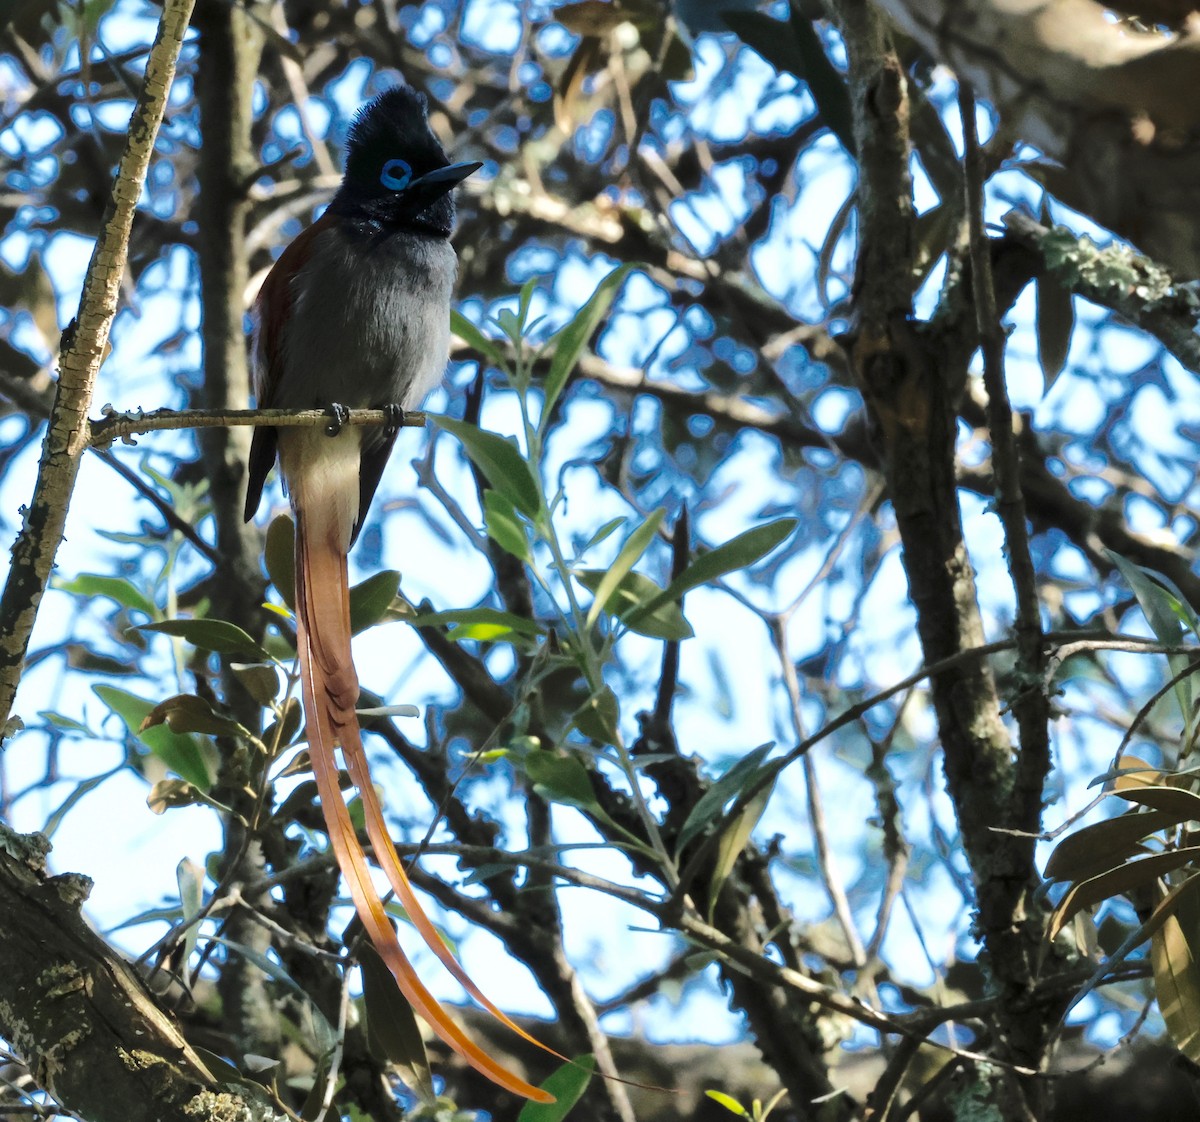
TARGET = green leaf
x,y
278,735
729,786
470,334
392,1030
504,526
86,787
63,723
212,635
609,527
629,604
567,1085
738,553
370,599
119,589
190,878
599,717
186,755
1055,324
1165,613
1174,957
635,545
500,461
561,779
569,340
280,558
260,680
733,840
486,624
186,712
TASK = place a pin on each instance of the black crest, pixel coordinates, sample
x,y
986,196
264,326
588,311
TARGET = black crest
x,y
392,126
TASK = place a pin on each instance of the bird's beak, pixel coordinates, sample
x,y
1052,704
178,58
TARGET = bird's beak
x,y
430,187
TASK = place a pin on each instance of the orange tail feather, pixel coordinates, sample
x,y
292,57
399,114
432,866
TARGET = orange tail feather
x,y
329,687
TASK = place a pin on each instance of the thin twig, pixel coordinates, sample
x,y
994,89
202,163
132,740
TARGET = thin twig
x,y
119,426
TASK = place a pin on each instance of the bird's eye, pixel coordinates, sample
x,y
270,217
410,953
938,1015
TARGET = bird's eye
x,y
396,175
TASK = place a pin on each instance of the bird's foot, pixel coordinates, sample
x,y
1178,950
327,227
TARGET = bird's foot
x,y
339,415
395,420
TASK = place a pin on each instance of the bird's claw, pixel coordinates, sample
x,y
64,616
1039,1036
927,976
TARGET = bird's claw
x,y
339,415
395,420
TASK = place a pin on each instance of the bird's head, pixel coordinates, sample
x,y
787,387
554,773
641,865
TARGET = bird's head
x,y
397,175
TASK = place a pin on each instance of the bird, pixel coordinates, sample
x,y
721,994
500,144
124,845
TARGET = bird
x,y
355,314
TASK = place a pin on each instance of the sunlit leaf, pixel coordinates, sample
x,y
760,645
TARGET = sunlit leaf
x,y
729,1103
124,592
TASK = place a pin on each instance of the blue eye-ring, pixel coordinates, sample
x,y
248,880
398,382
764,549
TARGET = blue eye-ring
x,y
396,175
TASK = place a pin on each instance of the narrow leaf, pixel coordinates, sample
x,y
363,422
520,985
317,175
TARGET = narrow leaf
x,y
1116,882
1103,845
733,840
738,553
629,604
1173,955
392,1030
569,340
470,334
635,545
1055,325
500,461
119,589
212,635
280,558
567,1085
504,526
713,801
1164,613
370,600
